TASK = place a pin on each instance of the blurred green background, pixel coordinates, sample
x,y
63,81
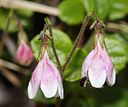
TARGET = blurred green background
x,y
66,24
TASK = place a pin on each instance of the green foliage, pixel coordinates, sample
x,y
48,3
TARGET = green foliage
x,y
73,72
89,5
71,11
3,21
24,13
24,18
119,9
36,45
62,42
63,45
117,50
101,7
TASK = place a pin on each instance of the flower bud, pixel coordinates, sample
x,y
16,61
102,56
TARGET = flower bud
x,y
24,53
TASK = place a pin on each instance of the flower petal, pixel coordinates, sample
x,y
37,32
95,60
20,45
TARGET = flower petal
x,y
87,62
111,74
60,91
49,79
111,78
35,80
60,88
97,78
49,84
107,61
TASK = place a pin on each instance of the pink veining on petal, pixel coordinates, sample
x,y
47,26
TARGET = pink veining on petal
x,y
49,81
109,68
60,91
47,77
111,78
97,73
24,54
98,67
87,62
35,81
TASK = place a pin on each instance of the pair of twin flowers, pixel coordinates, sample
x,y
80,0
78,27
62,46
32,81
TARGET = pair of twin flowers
x,y
97,68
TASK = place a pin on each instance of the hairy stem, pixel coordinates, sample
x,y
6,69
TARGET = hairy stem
x,y
83,27
52,43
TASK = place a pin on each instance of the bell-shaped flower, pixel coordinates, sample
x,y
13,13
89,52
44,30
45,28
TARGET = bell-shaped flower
x,y
47,77
24,54
98,67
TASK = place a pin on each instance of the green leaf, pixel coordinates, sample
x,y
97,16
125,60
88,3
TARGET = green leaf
x,y
101,7
62,42
63,45
3,21
118,9
71,11
89,5
73,72
24,17
36,45
25,13
117,51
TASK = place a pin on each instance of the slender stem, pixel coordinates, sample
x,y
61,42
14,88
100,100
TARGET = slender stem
x,y
22,4
83,27
52,43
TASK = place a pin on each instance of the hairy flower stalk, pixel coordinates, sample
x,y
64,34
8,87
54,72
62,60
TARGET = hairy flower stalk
x,y
47,77
98,67
24,54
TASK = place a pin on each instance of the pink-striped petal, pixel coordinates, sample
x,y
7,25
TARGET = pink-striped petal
x,y
111,78
87,62
49,79
35,80
60,91
111,74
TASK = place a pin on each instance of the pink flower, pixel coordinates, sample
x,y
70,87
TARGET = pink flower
x,y
47,77
24,53
98,67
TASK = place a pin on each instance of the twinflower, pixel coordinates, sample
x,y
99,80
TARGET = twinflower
x,y
98,66
47,77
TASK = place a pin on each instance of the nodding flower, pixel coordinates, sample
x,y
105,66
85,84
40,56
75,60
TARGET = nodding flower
x,y
47,77
97,66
